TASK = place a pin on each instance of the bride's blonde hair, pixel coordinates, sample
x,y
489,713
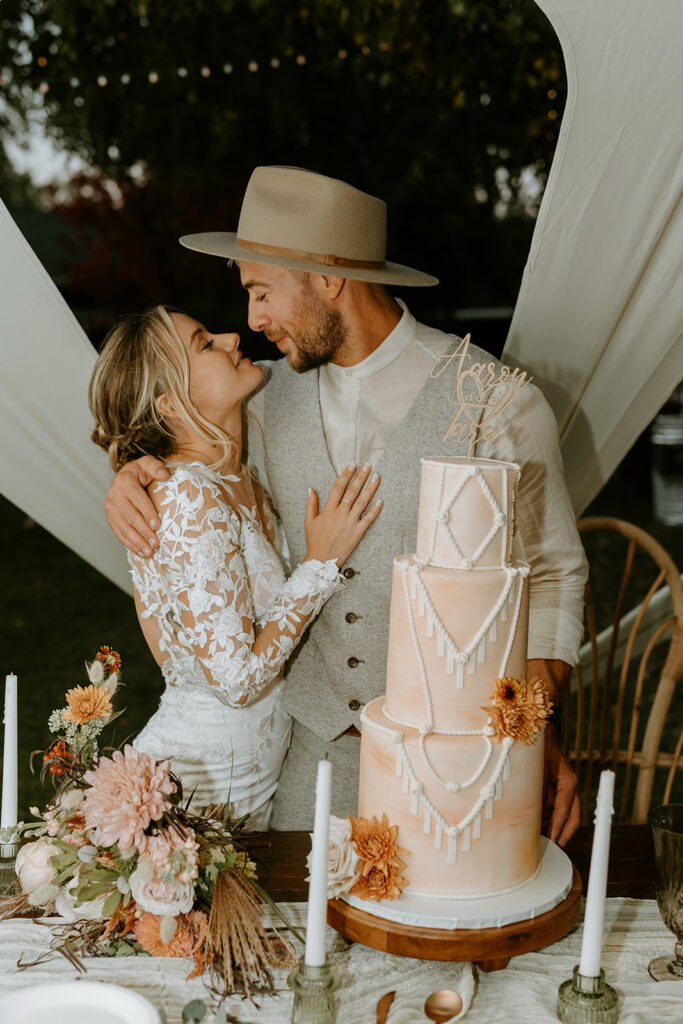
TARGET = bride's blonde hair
x,y
141,358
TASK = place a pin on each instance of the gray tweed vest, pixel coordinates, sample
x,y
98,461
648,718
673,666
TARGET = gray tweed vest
x,y
341,662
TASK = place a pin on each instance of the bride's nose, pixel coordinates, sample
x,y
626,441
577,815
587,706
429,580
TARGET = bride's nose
x,y
229,341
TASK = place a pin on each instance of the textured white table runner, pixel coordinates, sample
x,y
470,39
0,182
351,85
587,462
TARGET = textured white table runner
x,y
524,993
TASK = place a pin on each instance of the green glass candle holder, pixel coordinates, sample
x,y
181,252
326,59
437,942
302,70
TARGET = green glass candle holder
x,y
314,994
584,1000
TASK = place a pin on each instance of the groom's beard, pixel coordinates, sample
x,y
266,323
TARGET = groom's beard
x,y
319,338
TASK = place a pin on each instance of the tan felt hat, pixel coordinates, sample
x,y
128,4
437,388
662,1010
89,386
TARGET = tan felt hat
x,y
305,221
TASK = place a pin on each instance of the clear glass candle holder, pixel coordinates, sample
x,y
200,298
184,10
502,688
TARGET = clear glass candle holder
x,y
584,1000
314,994
666,823
9,883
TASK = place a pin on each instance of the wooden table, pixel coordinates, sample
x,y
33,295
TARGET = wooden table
x,y
282,862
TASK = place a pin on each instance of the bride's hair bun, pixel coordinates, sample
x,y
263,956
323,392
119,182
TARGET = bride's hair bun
x,y
141,359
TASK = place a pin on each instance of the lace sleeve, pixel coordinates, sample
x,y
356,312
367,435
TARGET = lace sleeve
x,y
200,558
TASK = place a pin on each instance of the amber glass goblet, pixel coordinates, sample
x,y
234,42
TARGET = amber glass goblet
x,y
667,830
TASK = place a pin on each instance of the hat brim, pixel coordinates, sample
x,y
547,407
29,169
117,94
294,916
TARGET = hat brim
x,y
224,244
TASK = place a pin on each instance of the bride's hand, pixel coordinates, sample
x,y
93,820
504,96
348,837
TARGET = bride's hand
x,y
130,511
337,530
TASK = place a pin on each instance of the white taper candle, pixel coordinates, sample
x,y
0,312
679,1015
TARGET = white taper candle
x,y
591,946
316,919
8,813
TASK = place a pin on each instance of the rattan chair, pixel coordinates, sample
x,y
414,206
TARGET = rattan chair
x,y
598,733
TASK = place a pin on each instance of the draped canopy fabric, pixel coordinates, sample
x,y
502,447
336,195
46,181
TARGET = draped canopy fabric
x,y
48,466
599,316
597,322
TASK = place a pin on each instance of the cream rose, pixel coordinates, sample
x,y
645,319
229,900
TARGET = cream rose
x,y
342,870
34,868
157,897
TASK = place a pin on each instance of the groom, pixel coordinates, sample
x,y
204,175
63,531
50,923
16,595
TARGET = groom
x,y
361,383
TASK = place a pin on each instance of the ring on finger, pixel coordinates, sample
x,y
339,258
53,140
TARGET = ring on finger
x,y
347,500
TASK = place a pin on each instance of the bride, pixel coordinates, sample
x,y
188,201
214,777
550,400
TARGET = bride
x,y
217,610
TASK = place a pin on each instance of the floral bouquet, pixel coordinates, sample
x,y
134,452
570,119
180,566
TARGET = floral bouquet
x,y
128,867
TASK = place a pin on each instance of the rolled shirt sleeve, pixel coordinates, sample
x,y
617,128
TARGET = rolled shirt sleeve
x,y
546,533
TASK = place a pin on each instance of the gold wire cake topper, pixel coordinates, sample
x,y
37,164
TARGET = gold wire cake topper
x,y
475,384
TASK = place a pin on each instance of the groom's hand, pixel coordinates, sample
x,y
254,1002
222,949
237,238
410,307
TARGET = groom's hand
x,y
130,510
561,809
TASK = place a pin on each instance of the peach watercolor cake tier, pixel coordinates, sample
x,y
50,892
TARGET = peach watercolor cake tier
x,y
466,796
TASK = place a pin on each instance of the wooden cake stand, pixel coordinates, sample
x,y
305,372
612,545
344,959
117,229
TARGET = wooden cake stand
x,y
490,948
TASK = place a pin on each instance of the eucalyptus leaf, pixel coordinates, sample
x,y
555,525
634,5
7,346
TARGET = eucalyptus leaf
x,y
116,714
62,860
92,892
111,904
163,1019
194,1011
221,1016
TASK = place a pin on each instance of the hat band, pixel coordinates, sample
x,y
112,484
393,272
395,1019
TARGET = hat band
x,y
312,257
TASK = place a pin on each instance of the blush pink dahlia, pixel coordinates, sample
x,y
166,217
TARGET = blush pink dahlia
x,y
126,792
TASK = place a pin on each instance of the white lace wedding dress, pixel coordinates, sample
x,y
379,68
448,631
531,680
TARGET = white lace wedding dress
x,y
212,585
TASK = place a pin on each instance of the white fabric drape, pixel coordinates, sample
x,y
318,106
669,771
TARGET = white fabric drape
x,y
597,322
49,467
599,317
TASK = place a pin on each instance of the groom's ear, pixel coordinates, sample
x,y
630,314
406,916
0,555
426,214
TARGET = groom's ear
x,y
329,287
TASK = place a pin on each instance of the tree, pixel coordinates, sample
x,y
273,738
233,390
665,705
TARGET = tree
x,y
438,106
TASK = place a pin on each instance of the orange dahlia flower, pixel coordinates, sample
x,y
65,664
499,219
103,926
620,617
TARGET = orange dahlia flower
x,y
379,859
190,933
110,659
518,708
85,703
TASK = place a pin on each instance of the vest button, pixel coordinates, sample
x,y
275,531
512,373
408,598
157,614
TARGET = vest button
x,y
351,616
352,662
354,705
348,572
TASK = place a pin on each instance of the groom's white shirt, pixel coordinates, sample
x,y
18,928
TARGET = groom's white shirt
x,y
361,408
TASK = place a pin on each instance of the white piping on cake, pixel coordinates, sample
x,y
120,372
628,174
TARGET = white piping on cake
x,y
443,516
411,784
477,645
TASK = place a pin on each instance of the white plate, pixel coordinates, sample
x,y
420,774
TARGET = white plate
x,y
77,1002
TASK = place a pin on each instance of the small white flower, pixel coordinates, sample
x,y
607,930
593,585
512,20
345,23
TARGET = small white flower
x,y
65,904
167,929
111,683
87,854
43,895
71,800
96,672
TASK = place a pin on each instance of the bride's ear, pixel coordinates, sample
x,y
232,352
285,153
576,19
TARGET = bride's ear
x,y
165,407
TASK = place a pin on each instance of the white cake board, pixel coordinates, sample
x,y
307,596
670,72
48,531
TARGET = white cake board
x,y
548,889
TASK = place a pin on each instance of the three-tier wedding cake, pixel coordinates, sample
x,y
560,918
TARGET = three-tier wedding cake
x,y
453,753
